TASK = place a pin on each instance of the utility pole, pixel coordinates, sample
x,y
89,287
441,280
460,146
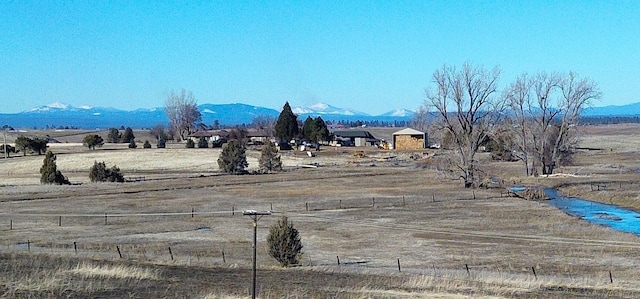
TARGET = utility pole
x,y
255,216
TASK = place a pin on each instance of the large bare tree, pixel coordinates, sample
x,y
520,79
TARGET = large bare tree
x,y
468,109
546,109
182,111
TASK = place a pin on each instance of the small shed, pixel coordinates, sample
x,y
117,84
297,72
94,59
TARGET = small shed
x,y
410,139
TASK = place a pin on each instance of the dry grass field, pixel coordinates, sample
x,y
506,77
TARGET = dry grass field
x,y
179,233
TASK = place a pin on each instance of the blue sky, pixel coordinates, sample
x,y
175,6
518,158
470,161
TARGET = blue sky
x,y
371,56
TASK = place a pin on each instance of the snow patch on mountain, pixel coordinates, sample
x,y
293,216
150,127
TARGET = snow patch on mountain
x,y
322,108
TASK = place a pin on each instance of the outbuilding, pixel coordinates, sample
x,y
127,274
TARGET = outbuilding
x,y
410,139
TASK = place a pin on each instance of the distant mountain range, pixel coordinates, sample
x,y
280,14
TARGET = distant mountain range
x,y
62,115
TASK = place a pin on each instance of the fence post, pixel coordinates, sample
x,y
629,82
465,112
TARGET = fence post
x,y
119,253
341,203
75,247
193,210
306,205
467,266
10,224
433,197
233,210
59,220
224,260
105,218
271,205
474,194
373,202
170,253
610,277
399,270
403,202
28,245
534,272
338,258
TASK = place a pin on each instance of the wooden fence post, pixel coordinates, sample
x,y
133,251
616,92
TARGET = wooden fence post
x,y
306,205
341,203
75,247
534,272
59,220
10,224
610,277
193,210
224,260
399,270
171,253
433,197
373,202
119,253
271,205
233,210
467,266
28,245
338,258
105,218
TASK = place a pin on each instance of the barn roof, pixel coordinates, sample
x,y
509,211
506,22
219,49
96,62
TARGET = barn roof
x,y
353,134
408,131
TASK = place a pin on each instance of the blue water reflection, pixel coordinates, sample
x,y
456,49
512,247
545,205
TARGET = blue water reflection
x,y
599,213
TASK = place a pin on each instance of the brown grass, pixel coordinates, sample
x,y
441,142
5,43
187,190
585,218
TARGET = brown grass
x,y
368,210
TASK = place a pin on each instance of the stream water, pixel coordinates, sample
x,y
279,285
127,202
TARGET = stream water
x,y
609,215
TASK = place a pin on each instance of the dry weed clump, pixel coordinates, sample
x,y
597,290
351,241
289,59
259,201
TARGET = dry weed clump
x,y
89,270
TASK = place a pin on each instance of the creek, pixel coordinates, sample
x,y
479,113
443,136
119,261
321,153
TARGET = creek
x,y
604,214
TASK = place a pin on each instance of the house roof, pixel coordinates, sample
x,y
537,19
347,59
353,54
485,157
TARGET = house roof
x,y
353,134
221,133
408,131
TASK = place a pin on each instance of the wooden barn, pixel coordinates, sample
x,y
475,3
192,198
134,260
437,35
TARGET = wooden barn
x,y
410,139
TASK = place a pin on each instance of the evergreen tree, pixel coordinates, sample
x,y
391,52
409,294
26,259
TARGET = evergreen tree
x,y
114,135
100,173
132,143
309,129
269,158
23,143
147,144
127,136
322,132
287,125
49,173
284,243
92,140
203,143
38,145
233,158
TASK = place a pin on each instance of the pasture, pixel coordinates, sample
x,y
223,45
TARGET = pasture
x,y
380,225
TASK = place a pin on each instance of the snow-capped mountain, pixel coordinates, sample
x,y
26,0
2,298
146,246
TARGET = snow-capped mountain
x,y
322,109
59,114
399,113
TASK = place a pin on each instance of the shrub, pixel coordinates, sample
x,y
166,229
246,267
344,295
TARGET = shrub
x,y
49,171
233,158
161,143
284,243
146,144
190,143
132,144
203,143
100,173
